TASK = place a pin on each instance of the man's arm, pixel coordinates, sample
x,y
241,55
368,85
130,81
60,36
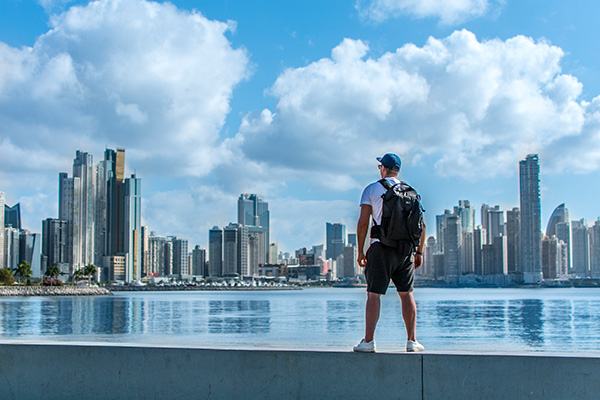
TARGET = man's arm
x,y
419,254
362,228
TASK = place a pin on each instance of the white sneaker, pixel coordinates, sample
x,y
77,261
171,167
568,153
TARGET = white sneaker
x,y
365,347
414,346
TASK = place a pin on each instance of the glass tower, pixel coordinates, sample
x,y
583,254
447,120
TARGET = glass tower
x,y
531,219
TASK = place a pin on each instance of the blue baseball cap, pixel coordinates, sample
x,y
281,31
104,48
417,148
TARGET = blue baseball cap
x,y
390,161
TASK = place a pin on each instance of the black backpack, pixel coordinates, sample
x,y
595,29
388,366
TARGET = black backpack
x,y
402,216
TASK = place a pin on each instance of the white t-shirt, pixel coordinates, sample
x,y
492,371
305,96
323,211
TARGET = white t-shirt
x,y
372,196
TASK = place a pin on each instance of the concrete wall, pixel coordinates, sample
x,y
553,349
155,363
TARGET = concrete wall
x,y
112,372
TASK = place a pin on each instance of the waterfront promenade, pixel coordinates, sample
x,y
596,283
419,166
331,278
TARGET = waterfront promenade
x,y
66,372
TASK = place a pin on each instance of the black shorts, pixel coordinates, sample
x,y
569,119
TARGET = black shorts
x,y
385,263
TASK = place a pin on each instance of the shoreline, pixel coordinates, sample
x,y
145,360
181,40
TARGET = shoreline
x,y
16,291
198,288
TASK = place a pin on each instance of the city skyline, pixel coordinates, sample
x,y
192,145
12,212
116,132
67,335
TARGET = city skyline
x,y
92,195
279,99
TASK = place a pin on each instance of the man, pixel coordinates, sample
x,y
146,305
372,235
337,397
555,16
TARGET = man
x,y
383,263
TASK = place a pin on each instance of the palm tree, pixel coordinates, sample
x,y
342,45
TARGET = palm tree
x,y
90,271
52,272
78,275
23,270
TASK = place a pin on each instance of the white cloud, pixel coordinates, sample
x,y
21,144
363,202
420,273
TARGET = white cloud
x,y
449,12
476,106
130,73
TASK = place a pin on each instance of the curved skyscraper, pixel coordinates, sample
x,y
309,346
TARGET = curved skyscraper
x,y
559,226
560,215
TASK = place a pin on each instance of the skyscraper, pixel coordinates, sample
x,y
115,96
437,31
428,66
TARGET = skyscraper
x,y
54,241
336,239
559,226
513,240
452,248
2,256
12,216
531,219
215,251
198,261
580,249
595,250
180,258
84,227
230,249
132,227
253,212
30,250
114,174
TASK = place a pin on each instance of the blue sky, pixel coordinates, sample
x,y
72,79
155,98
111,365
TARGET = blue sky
x,y
294,100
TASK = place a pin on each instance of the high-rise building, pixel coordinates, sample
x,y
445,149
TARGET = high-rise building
x,y
11,247
580,248
551,257
180,258
273,253
513,240
352,239
479,240
68,211
595,250
492,220
244,268
531,219
114,174
2,255
559,226
466,214
198,261
336,240
430,250
30,250
215,252
230,249
132,207
467,253
350,254
452,248
145,250
84,228
12,216
54,242
253,212
159,258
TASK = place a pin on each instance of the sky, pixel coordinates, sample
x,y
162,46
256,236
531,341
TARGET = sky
x,y
294,101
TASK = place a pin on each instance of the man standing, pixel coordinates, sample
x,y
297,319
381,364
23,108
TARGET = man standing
x,y
383,262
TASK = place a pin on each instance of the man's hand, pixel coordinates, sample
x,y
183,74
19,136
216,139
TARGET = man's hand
x,y
418,260
362,260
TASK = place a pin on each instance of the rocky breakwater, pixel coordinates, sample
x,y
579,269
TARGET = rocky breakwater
x,y
53,291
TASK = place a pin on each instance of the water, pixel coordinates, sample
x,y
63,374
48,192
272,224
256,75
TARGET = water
x,y
449,320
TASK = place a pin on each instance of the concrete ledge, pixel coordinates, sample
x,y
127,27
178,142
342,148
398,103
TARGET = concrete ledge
x,y
116,372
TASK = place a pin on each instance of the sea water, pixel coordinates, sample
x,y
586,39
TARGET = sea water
x,y
557,320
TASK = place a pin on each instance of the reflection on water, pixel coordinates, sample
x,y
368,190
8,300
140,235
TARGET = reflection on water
x,y
525,320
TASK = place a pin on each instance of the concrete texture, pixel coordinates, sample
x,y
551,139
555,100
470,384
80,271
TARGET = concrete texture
x,y
117,372
104,372
510,377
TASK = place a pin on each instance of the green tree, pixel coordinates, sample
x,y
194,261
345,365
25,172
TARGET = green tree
x,y
23,271
52,272
6,276
77,275
89,271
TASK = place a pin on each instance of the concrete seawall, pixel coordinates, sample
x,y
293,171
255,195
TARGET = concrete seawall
x,y
53,291
118,372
